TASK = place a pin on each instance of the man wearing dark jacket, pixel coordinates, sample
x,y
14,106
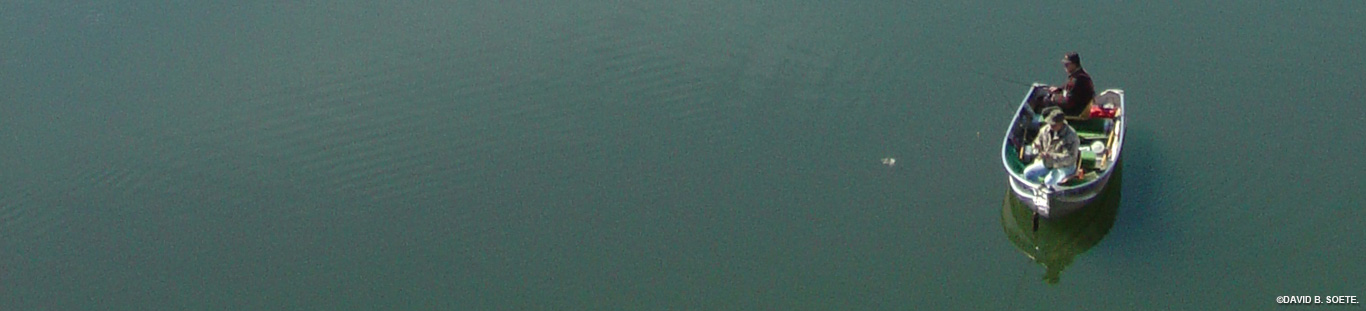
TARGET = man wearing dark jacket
x,y
1078,92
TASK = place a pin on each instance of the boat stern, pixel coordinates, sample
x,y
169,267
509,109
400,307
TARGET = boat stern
x,y
1053,203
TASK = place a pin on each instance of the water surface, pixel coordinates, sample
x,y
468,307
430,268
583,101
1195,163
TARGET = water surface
x,y
642,155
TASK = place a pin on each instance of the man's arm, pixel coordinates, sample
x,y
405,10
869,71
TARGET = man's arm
x,y
1039,144
1072,151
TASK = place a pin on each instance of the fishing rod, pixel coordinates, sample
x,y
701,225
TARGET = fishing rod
x,y
1000,78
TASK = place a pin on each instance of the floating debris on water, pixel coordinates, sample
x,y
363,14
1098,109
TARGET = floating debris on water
x,y
889,161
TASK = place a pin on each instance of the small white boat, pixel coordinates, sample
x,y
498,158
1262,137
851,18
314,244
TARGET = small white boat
x,y
1101,141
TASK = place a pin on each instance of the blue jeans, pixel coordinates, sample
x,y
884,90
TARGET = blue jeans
x,y
1036,172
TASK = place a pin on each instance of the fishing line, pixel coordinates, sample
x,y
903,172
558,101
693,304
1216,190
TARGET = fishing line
x,y
1000,78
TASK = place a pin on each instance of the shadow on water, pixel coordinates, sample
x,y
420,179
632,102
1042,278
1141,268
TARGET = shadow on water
x,y
1059,241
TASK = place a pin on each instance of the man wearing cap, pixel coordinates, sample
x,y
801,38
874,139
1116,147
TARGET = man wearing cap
x,y
1078,92
1058,148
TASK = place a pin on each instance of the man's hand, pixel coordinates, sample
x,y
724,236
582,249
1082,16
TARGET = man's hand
x,y
1053,155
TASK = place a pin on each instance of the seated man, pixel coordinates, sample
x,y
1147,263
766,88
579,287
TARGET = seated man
x,y
1078,92
1058,148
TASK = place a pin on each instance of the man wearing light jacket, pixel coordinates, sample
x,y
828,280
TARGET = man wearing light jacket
x,y
1058,147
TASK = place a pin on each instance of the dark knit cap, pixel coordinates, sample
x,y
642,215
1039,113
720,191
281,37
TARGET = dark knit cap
x,y
1072,57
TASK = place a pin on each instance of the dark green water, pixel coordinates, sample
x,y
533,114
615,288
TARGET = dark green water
x,y
639,155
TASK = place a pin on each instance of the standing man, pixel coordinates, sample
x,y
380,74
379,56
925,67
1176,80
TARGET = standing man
x,y
1058,148
1078,92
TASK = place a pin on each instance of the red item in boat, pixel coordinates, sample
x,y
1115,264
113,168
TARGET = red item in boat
x,y
1098,112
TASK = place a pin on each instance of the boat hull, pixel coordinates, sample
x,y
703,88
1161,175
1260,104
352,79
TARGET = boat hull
x,y
1062,200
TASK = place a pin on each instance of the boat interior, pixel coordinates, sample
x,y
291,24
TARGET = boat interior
x,y
1096,134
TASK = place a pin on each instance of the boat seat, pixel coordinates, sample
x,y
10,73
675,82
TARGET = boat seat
x,y
1086,167
1087,176
1085,113
1090,135
1090,129
1085,133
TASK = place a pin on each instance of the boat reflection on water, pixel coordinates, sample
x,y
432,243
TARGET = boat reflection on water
x,y
1058,241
